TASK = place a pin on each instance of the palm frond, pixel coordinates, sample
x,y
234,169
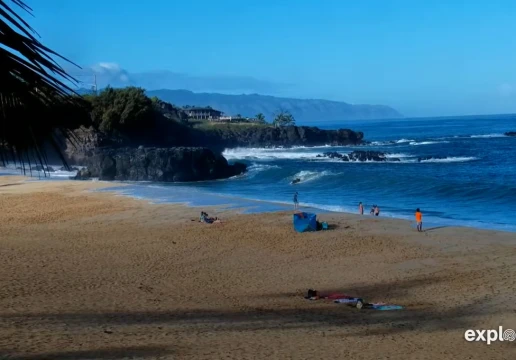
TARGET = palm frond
x,y
36,104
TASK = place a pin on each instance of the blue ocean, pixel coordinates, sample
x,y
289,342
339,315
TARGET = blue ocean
x,y
469,181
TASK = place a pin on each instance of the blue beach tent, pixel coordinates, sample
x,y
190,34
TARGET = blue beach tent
x,y
305,222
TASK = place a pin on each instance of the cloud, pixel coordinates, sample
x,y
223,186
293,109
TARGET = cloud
x,y
106,73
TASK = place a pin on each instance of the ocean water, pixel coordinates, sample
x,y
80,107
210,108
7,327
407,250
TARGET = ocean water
x,y
471,181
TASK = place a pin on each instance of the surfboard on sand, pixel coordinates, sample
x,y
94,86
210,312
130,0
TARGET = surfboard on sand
x,y
383,307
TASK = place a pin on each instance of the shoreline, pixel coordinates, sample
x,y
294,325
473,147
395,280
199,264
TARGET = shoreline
x,y
267,206
245,205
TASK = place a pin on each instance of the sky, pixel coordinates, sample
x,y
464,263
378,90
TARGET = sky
x,y
424,58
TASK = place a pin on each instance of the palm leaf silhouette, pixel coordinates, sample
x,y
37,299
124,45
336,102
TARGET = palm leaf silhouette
x,y
37,107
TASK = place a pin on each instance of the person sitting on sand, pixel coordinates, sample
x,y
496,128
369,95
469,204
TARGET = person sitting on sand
x,y
419,220
360,208
208,220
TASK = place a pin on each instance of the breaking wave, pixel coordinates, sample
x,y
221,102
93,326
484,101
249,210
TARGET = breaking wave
x,y
416,143
487,136
56,171
450,159
254,169
269,154
390,142
305,176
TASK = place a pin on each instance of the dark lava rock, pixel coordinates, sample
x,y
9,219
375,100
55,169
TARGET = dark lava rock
x,y
359,155
158,164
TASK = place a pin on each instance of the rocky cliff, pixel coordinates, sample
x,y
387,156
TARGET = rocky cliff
x,y
158,164
221,137
217,138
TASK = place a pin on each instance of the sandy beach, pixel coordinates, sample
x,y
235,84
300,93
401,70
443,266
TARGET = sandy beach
x,y
90,275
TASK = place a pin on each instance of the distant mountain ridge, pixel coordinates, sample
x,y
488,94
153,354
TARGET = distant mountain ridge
x,y
304,110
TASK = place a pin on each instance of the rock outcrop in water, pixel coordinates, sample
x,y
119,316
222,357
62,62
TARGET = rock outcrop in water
x,y
360,156
510,133
158,164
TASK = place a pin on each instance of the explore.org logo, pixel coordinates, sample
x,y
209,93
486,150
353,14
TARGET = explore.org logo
x,y
490,335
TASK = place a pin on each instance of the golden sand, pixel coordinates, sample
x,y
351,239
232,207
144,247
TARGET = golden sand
x,y
88,275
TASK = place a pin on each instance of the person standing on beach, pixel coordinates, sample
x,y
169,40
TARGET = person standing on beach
x,y
419,220
361,208
376,210
296,202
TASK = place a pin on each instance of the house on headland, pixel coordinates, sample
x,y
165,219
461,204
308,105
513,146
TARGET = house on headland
x,y
203,113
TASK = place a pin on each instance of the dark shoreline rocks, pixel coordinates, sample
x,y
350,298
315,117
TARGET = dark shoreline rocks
x,y
161,154
179,164
360,156
217,138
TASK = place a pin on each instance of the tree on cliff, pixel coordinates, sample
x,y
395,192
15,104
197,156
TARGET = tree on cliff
x,y
260,118
34,99
122,110
169,111
284,118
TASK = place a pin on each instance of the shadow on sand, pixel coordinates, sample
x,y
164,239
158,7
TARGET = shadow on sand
x,y
303,314
140,352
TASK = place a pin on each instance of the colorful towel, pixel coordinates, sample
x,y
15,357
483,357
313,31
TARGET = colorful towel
x,y
383,307
347,301
337,296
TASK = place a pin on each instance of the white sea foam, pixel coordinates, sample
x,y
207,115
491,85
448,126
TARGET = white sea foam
x,y
390,142
266,155
451,159
416,143
269,154
16,169
261,167
486,136
254,169
398,155
401,141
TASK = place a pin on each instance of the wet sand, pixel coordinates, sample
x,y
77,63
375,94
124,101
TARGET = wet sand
x,y
88,275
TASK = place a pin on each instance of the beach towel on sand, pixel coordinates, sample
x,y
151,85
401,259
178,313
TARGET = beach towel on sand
x,y
377,306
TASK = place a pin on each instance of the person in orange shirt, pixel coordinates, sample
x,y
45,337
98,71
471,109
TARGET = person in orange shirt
x,y
419,220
